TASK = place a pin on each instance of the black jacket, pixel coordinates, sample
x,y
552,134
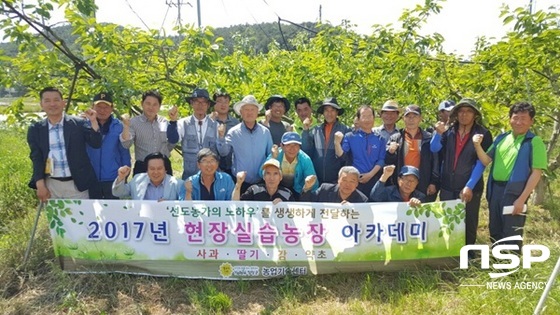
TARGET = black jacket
x,y
429,162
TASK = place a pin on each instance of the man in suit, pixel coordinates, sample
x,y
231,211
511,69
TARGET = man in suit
x,y
61,166
155,184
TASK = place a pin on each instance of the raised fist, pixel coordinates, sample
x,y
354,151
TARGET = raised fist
x,y
477,139
126,120
173,113
222,130
274,151
307,123
90,114
388,170
309,182
123,172
188,186
241,177
441,127
338,137
393,146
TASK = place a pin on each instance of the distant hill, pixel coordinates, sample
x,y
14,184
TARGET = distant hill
x,y
256,36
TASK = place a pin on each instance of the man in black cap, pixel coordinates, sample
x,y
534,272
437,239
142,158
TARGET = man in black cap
x,y
458,158
106,160
318,142
411,146
195,132
276,106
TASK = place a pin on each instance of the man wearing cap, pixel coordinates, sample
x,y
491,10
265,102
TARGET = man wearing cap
x,y
249,141
148,132
276,106
270,190
458,158
389,115
295,165
345,191
318,142
518,159
61,166
363,148
444,110
404,191
222,116
106,160
195,132
411,146
208,183
304,111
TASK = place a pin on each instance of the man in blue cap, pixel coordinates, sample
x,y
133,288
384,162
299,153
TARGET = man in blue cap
x,y
195,132
404,191
296,166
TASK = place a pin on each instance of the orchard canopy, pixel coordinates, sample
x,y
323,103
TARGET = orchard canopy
x,y
391,62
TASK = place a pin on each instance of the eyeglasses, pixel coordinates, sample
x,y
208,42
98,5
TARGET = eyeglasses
x,y
212,161
409,181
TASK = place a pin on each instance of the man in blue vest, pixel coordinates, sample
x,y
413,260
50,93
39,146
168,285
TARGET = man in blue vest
x,y
518,159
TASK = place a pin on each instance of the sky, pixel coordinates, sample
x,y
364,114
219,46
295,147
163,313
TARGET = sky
x,y
460,21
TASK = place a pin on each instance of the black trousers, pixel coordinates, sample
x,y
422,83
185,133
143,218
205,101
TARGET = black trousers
x,y
101,190
472,209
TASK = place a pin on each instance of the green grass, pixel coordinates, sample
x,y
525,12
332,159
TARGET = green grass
x,y
42,288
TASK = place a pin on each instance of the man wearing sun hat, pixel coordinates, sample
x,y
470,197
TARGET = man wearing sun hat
x,y
296,165
389,115
194,132
270,190
458,158
276,106
318,142
112,155
249,141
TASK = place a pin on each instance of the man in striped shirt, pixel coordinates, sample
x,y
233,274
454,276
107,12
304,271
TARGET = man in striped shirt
x,y
148,132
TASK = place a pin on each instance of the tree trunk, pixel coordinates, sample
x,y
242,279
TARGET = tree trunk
x,y
540,191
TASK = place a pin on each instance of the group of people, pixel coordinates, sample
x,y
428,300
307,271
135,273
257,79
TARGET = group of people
x,y
272,160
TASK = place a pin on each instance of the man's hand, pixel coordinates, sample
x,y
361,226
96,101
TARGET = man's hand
x,y
277,200
123,172
43,193
466,194
126,120
440,127
307,123
309,182
241,177
91,115
188,186
477,139
414,202
518,206
338,137
388,171
222,131
431,189
214,115
267,116
274,151
365,177
173,113
393,146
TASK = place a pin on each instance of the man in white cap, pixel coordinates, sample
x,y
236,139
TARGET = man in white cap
x,y
444,110
194,132
249,141
270,190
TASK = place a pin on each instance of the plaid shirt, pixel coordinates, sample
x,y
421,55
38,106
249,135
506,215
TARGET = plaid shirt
x,y
57,150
